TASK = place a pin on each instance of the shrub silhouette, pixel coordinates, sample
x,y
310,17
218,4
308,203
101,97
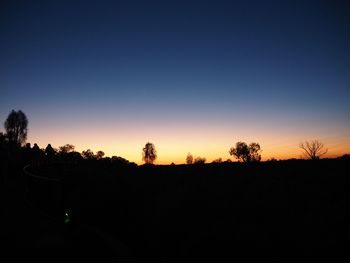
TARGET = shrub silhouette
x,y
218,160
199,160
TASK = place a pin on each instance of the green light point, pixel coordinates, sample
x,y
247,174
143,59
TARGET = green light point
x,y
66,218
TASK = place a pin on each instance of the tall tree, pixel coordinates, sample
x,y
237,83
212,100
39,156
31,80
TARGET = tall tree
x,y
149,153
16,126
313,149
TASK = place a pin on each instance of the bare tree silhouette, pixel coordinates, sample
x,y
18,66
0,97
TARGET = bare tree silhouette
x,y
16,126
313,150
149,153
189,158
246,153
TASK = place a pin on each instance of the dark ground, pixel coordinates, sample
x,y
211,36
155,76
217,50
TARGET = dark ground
x,y
270,210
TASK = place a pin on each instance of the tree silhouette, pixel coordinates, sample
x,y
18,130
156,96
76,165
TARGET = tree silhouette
x,y
99,155
88,154
199,160
313,149
49,151
149,153
189,158
254,150
16,126
218,160
246,153
66,148
241,152
36,150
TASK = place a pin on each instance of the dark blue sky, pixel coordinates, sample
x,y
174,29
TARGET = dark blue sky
x,y
263,64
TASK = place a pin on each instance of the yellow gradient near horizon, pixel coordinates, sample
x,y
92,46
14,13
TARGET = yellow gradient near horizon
x,y
174,141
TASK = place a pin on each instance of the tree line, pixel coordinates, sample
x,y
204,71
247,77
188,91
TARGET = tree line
x,y
16,127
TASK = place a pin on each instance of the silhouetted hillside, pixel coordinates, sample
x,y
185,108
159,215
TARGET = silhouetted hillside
x,y
196,211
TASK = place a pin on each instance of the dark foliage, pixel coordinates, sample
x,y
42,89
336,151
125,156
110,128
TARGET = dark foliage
x,y
16,126
189,158
199,160
67,148
49,151
88,154
149,153
179,212
217,211
246,153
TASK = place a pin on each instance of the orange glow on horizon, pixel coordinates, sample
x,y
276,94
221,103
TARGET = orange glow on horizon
x,y
174,138
174,147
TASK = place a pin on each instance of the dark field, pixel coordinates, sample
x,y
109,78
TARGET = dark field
x,y
268,210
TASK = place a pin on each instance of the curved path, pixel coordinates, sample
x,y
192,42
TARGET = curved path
x,y
31,225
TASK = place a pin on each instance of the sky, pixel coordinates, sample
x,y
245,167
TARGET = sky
x,y
188,76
